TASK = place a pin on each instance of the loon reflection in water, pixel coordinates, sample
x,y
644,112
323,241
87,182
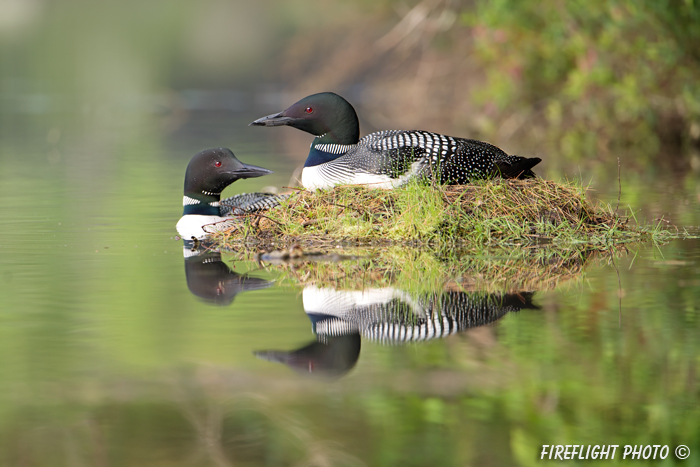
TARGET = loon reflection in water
x,y
389,316
210,279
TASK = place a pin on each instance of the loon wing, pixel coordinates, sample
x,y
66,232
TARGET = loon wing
x,y
250,202
221,226
393,152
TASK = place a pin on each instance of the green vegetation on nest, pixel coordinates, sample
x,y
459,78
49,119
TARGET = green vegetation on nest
x,y
493,213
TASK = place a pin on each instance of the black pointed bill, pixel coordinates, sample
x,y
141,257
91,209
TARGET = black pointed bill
x,y
272,120
250,171
276,356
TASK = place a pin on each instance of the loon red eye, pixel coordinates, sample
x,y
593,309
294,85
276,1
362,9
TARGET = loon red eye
x,y
217,163
309,110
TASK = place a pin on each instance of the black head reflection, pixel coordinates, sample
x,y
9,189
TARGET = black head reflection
x,y
328,356
210,279
388,316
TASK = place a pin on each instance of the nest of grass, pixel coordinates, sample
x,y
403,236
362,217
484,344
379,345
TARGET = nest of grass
x,y
486,213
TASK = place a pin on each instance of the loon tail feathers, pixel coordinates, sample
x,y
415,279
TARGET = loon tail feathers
x,y
520,167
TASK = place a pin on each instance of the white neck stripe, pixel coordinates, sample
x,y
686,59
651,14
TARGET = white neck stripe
x,y
187,201
334,148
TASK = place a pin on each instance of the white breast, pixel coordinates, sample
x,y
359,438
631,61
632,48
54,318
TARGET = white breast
x,y
325,176
191,225
316,177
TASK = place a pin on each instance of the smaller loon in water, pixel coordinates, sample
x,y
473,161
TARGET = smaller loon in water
x,y
207,174
390,158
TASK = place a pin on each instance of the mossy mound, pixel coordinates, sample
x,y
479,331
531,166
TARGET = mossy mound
x,y
494,212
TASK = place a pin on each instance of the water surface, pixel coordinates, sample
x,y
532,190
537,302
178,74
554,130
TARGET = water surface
x,y
116,349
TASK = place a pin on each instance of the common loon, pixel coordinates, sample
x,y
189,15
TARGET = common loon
x,y
389,158
341,319
207,174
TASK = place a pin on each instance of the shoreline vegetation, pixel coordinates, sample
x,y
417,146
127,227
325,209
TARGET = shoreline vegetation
x,y
494,213
562,80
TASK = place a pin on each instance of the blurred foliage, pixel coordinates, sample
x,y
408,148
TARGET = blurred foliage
x,y
583,80
596,76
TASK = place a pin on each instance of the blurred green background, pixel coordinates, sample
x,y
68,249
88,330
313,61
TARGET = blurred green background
x,y
577,83
108,359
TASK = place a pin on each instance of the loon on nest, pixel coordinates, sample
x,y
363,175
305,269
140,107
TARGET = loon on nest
x,y
208,173
387,159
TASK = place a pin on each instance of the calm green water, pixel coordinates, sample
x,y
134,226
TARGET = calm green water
x,y
110,355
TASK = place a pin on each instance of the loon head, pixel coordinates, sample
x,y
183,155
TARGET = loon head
x,y
212,170
325,115
208,173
